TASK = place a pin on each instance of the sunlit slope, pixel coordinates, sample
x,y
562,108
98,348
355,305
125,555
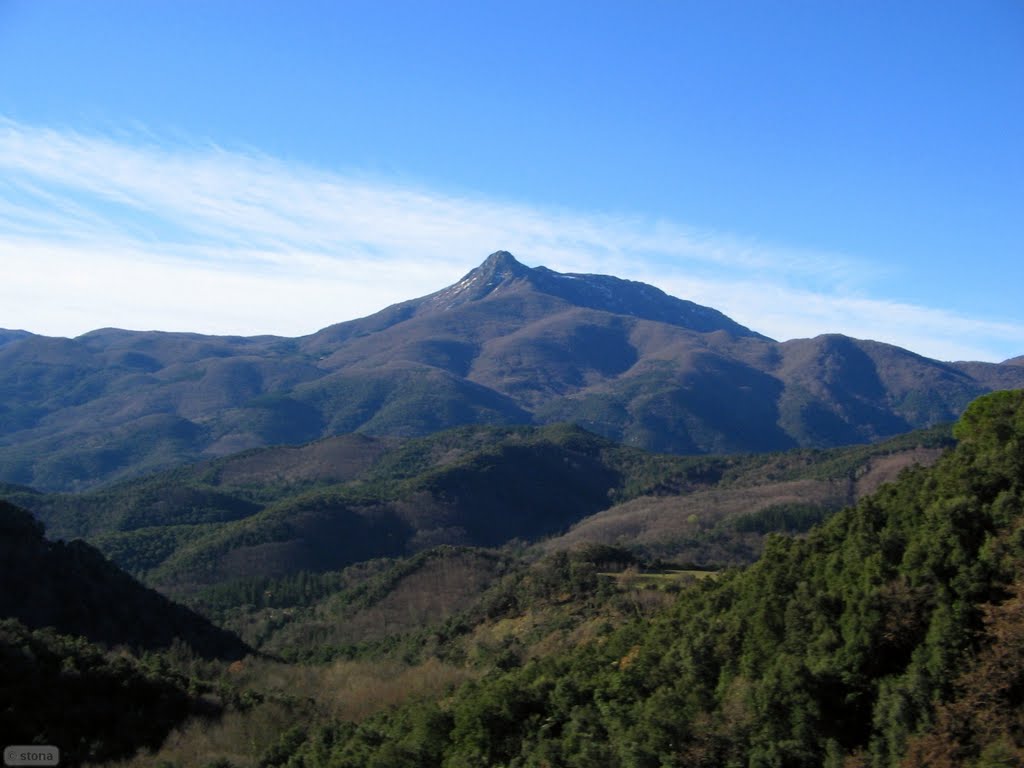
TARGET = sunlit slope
x,y
890,635
508,344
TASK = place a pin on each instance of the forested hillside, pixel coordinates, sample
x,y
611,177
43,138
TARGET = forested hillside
x,y
71,587
86,651
271,513
890,635
887,634
63,691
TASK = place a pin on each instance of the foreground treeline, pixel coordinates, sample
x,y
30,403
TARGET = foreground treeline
x,y
93,704
91,660
892,635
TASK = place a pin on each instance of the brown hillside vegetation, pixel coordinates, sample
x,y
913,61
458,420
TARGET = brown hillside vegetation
x,y
689,527
441,587
332,460
508,344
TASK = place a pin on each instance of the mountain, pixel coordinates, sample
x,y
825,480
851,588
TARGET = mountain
x,y
72,588
507,344
7,336
500,276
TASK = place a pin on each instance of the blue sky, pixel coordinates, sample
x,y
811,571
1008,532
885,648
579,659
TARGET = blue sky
x,y
258,167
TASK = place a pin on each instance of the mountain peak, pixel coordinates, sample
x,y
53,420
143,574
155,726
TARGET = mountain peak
x,y
501,273
501,264
497,269
500,260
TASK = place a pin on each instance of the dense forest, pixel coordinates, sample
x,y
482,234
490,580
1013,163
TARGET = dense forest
x,y
889,633
889,636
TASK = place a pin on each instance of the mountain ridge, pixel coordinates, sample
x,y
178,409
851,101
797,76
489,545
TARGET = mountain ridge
x,y
607,293
507,344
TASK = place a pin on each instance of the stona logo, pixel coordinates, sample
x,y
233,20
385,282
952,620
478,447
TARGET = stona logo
x,y
31,754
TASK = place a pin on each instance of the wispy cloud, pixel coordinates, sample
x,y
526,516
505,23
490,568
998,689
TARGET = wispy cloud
x,y
789,311
97,231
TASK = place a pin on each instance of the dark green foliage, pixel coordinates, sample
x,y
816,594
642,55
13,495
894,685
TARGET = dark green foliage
x,y
144,549
65,692
471,486
72,587
855,640
295,590
782,518
357,587
413,737
168,499
852,643
527,491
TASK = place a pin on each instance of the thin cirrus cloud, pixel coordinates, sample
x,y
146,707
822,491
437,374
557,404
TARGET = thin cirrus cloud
x,y
99,231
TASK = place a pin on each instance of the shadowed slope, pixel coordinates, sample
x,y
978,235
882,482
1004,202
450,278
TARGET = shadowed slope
x,y
74,589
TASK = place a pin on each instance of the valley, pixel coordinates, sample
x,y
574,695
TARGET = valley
x,y
460,653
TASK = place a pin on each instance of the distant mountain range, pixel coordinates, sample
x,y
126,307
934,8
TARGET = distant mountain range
x,y
507,344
